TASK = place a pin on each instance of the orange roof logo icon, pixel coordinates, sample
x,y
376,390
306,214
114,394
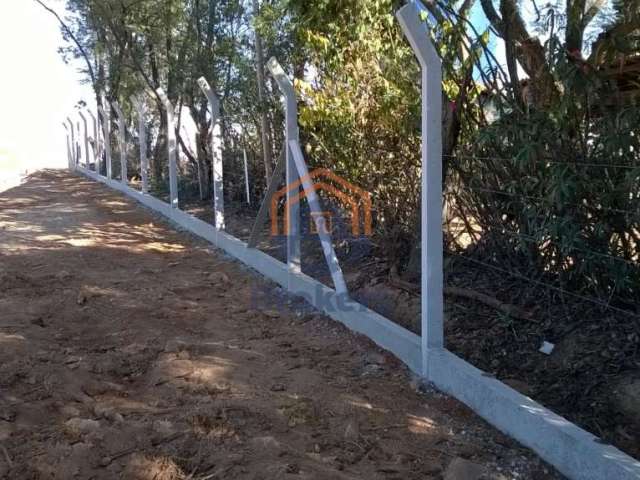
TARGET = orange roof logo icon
x,y
323,179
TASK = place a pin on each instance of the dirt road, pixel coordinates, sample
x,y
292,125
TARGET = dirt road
x,y
131,350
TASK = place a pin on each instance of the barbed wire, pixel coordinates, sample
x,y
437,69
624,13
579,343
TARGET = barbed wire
x,y
555,162
532,239
592,300
545,200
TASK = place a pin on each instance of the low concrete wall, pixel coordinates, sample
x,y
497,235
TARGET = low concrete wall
x,y
574,452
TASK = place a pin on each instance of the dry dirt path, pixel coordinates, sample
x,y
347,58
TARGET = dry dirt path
x,y
131,350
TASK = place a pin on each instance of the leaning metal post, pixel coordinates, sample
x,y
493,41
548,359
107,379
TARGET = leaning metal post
x,y
292,134
107,139
320,220
96,140
263,212
73,144
417,33
141,108
216,152
122,142
171,148
86,138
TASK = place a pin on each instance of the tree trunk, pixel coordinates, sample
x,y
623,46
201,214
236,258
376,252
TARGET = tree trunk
x,y
264,119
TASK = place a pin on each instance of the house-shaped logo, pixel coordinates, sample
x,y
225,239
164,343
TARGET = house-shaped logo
x,y
323,179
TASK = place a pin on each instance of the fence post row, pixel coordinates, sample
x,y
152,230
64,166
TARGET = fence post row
x,y
122,141
86,138
291,134
171,148
107,139
432,300
216,153
140,107
417,33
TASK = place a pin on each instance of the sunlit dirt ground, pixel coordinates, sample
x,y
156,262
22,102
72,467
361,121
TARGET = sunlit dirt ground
x,y
131,350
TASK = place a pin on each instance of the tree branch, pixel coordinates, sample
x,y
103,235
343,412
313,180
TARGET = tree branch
x,y
75,40
492,16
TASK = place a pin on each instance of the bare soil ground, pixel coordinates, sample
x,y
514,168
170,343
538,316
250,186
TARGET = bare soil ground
x,y
592,376
131,350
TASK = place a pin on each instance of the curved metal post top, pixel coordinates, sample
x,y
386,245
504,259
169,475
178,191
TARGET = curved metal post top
x,y
209,93
286,86
417,34
291,134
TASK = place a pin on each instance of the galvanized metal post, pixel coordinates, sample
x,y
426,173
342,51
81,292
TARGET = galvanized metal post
x,y
86,138
171,148
96,141
107,139
73,144
216,152
138,102
416,31
246,175
78,146
122,142
292,134
69,159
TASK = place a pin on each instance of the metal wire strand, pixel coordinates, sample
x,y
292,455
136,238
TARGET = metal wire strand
x,y
551,287
555,162
541,199
532,239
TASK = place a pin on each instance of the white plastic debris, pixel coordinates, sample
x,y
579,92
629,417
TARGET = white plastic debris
x,y
547,348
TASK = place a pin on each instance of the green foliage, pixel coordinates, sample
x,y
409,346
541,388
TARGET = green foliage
x,y
556,190
550,186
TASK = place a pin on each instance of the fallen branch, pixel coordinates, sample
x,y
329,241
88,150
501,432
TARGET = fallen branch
x,y
511,310
507,308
